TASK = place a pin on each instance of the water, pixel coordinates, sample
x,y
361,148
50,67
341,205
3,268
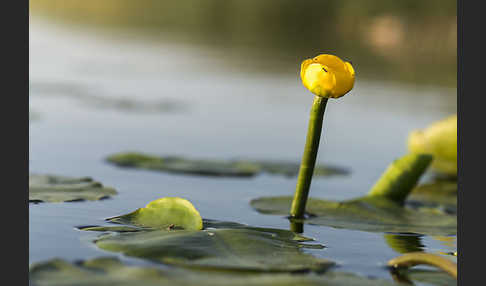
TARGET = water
x,y
221,112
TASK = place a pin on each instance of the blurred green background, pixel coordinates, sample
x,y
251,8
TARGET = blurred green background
x,y
411,41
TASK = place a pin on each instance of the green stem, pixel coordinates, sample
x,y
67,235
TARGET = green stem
x,y
296,227
400,177
309,158
417,258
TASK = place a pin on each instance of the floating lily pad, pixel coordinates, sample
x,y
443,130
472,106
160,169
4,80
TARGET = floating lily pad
x,y
164,213
48,188
441,193
168,230
220,246
88,97
440,140
111,271
120,229
232,168
381,210
366,214
430,277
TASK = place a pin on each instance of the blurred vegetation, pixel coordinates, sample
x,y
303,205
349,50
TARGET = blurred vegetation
x,y
413,41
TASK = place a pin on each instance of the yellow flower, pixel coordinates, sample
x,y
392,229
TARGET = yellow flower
x,y
327,76
440,140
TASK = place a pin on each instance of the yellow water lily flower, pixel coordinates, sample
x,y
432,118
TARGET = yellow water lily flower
x,y
327,76
440,140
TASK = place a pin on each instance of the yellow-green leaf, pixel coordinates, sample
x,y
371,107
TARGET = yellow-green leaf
x,y
164,213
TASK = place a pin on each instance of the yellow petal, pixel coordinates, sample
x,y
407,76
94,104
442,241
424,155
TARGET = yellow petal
x,y
318,80
303,67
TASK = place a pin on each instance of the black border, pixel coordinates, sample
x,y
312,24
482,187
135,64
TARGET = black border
x,y
460,170
470,142
15,141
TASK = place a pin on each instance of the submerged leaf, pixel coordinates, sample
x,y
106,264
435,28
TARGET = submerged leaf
x,y
48,188
366,214
220,246
111,271
232,168
440,140
164,213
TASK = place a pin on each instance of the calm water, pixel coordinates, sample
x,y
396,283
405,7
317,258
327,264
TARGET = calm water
x,y
217,111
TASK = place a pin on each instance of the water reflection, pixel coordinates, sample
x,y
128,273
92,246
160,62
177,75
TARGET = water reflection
x,y
412,41
404,243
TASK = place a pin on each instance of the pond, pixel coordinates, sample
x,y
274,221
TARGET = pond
x,y
94,97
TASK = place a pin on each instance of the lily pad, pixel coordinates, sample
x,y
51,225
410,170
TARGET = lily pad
x,y
431,277
48,188
373,214
440,193
90,98
240,248
230,168
111,271
440,140
381,210
164,213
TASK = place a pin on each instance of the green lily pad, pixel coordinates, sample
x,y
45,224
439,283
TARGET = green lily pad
x,y
123,228
440,140
372,214
440,193
220,246
111,271
430,277
48,188
163,213
231,168
381,210
90,98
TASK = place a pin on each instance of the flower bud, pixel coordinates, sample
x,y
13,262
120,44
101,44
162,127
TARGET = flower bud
x,y
327,76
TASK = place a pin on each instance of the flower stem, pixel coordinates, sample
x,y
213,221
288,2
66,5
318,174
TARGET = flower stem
x,y
417,258
296,227
400,177
309,158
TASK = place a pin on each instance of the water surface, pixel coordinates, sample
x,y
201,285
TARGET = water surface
x,y
219,112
